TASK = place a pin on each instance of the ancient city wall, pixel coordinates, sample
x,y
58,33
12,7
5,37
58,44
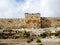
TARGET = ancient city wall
x,y
30,20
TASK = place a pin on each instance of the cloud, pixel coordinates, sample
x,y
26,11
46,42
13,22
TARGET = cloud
x,y
14,9
47,8
10,9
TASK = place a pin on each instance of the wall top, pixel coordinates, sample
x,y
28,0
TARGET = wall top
x,y
32,13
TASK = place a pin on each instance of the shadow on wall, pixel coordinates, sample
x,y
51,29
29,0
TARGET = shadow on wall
x,y
45,23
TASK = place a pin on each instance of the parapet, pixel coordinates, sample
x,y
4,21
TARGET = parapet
x,y
32,13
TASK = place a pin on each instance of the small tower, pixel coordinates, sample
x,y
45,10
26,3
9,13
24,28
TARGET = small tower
x,y
32,20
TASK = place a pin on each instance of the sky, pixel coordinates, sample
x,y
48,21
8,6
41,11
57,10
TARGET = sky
x,y
17,8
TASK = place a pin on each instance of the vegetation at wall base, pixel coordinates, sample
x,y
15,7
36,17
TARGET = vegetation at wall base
x,y
29,40
38,40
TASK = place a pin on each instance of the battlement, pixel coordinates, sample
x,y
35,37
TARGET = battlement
x,y
32,13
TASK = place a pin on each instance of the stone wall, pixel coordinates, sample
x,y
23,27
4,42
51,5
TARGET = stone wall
x,y
30,20
11,23
50,22
55,21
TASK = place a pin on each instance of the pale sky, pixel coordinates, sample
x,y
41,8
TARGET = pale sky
x,y
17,8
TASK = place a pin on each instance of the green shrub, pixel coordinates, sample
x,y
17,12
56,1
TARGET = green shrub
x,y
38,41
29,40
25,33
40,44
56,34
43,35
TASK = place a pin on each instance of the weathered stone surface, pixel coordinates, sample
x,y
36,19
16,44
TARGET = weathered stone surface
x,y
45,22
30,20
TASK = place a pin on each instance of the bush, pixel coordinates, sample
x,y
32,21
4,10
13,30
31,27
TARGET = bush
x,y
40,44
38,41
5,37
16,37
25,33
56,34
43,35
29,40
